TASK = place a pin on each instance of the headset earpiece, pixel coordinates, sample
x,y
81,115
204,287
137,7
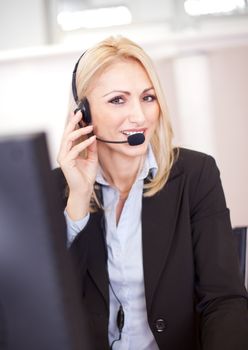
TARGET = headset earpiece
x,y
84,107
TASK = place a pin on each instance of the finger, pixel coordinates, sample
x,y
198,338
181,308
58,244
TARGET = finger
x,y
74,135
67,141
92,151
77,149
73,122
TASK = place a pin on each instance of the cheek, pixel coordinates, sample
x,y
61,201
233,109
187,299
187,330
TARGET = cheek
x,y
114,118
107,121
154,113
99,115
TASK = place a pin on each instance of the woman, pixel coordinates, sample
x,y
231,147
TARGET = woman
x,y
147,223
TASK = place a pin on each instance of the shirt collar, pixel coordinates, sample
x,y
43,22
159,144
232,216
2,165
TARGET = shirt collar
x,y
150,167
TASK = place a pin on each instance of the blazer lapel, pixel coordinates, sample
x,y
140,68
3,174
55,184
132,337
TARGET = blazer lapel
x,y
159,217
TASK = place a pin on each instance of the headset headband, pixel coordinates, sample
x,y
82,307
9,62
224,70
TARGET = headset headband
x,y
73,83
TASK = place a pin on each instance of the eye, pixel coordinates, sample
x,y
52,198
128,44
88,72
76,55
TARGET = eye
x,y
117,100
149,98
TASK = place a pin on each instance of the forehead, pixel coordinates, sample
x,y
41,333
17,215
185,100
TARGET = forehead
x,y
122,74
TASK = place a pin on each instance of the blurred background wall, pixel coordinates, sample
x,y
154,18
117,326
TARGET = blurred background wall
x,y
199,47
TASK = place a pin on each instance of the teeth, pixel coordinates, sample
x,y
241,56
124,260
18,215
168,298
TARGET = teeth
x,y
132,132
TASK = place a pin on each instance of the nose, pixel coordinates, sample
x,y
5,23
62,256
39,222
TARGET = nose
x,y
136,114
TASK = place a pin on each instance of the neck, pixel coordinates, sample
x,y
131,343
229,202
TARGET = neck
x,y
121,172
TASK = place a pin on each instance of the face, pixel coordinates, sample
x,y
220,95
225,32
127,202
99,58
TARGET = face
x,y
123,101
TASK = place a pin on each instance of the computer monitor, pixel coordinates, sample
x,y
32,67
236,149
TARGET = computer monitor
x,y
40,304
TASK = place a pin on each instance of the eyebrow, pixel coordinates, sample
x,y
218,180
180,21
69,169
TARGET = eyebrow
x,y
127,92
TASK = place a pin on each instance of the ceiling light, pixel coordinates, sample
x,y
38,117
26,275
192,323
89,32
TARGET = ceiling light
x,y
94,18
206,7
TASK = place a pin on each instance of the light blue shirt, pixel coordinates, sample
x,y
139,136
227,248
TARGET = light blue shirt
x,y
125,261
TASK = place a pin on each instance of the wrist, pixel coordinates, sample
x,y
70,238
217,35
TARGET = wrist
x,y
78,205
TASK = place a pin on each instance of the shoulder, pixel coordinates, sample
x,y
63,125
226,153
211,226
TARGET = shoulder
x,y
201,180
199,171
193,163
188,159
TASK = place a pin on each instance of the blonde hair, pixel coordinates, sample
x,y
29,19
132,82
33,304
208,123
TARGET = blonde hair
x,y
93,63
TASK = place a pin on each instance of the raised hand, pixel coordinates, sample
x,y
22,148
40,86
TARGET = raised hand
x,y
79,172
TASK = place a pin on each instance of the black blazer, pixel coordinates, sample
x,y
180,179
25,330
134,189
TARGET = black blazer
x,y
194,292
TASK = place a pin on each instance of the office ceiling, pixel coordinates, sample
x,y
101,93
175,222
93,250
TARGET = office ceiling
x,y
29,23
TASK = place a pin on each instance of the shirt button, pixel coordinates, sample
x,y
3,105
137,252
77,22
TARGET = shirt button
x,y
160,325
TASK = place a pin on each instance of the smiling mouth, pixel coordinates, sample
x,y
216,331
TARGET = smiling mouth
x,y
129,133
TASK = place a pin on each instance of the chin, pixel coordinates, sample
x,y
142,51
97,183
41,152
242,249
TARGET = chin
x,y
135,151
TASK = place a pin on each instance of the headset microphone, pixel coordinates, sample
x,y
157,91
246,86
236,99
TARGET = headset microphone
x,y
136,139
132,140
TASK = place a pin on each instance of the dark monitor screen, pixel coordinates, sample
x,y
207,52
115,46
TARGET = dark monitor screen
x,y
40,306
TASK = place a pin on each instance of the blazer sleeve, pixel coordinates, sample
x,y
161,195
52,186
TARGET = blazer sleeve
x,y
79,246
222,300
